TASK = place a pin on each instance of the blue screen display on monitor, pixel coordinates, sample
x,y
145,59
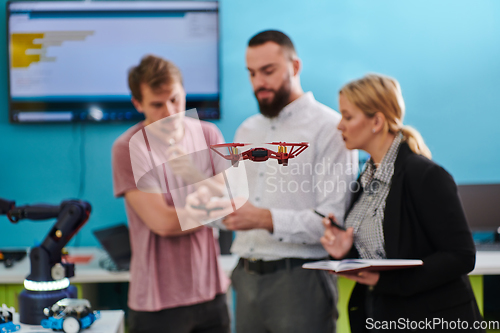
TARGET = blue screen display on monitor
x,y
69,61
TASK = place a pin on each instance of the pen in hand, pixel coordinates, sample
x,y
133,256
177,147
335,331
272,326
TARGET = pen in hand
x,y
332,222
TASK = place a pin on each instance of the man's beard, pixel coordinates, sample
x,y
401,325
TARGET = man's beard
x,y
281,99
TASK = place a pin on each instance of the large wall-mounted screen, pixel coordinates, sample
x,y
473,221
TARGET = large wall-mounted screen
x,y
68,61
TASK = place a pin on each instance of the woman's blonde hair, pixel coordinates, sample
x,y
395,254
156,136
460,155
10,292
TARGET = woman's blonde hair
x,y
379,93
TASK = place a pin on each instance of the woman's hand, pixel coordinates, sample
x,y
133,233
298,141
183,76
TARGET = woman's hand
x,y
335,241
365,277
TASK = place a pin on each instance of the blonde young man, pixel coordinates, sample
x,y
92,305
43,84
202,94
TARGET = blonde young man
x,y
276,230
176,283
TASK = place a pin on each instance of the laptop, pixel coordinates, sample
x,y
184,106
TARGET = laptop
x,y
481,203
116,242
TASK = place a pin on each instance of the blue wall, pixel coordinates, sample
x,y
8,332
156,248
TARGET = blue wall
x,y
444,53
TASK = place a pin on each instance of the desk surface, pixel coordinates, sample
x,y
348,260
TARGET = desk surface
x,y
91,272
487,263
110,322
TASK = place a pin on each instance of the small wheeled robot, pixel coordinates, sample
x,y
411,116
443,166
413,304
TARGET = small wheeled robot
x,y
6,316
70,315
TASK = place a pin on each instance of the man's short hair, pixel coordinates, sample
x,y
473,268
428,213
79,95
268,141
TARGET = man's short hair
x,y
274,36
153,71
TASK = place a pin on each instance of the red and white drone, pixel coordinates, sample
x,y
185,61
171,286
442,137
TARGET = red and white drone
x,y
261,154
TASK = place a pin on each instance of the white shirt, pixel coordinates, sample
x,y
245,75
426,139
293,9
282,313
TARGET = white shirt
x,y
318,178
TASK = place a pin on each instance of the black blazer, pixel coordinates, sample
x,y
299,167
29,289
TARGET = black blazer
x,y
423,219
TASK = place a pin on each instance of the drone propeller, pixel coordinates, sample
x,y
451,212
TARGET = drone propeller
x,y
288,144
230,145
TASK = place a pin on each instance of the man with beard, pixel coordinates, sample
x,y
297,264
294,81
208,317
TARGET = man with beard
x,y
277,230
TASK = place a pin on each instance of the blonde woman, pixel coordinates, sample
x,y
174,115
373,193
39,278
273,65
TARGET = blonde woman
x,y
404,207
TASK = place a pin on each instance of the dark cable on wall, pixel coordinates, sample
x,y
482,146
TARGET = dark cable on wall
x,y
79,140
83,164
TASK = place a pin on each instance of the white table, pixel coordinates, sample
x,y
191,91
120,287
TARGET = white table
x,y
487,263
91,272
110,322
